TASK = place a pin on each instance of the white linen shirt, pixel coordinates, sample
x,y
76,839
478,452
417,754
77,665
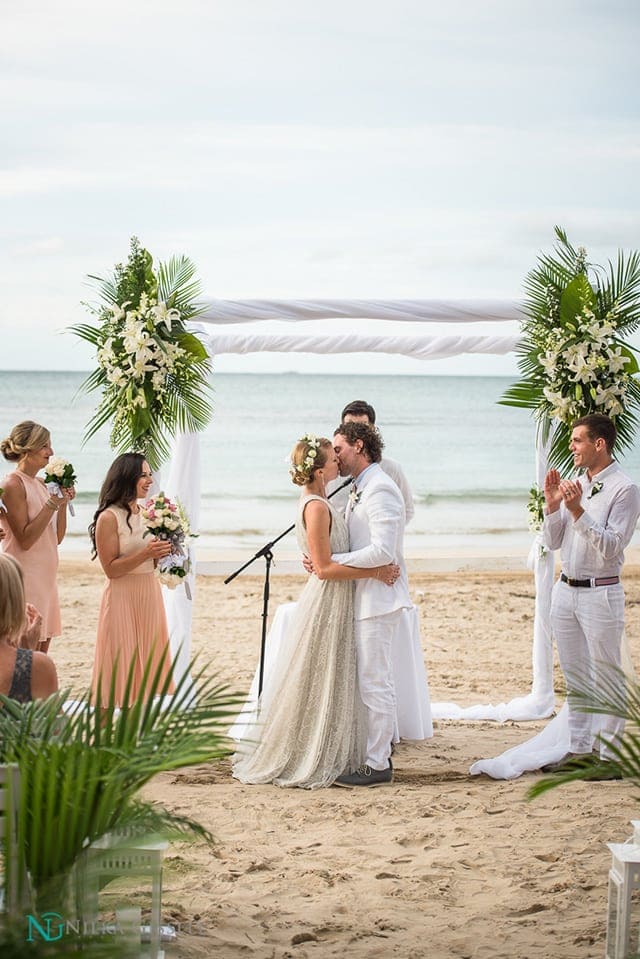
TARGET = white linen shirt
x,y
593,545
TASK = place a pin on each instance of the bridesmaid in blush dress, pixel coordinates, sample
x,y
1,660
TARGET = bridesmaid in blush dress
x,y
34,522
132,625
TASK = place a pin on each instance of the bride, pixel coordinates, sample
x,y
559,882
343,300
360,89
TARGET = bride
x,y
311,723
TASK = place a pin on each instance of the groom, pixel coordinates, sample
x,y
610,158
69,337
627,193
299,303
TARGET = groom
x,y
375,516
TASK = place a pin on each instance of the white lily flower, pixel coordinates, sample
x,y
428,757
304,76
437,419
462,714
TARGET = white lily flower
x,y
615,360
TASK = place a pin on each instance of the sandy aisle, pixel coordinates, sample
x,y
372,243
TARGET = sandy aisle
x,y
439,865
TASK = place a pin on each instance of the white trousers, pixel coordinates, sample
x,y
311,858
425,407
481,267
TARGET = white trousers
x,y
374,641
588,624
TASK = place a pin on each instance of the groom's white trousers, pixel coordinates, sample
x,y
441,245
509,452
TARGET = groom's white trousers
x,y
374,640
588,624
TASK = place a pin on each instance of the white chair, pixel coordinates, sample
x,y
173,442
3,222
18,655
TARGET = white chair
x,y
15,892
114,857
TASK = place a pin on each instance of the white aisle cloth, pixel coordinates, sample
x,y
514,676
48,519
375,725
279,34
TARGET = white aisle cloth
x,y
413,710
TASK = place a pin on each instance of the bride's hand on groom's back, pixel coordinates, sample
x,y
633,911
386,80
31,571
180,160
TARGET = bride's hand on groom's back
x,y
308,565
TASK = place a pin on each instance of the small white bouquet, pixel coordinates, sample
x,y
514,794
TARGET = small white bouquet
x,y
167,520
60,475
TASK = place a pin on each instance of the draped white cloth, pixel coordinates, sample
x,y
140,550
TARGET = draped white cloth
x,y
414,311
540,702
420,347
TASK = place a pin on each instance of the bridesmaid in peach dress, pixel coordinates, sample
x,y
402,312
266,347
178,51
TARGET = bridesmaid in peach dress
x,y
34,522
132,625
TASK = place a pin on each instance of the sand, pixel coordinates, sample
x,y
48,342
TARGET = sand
x,y
439,865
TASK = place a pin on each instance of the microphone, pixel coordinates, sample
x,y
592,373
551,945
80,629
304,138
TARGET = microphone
x,y
347,482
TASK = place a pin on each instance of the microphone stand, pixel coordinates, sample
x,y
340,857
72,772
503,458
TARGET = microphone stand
x,y
266,551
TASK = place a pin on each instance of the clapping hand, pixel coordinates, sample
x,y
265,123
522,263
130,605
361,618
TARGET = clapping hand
x,y
552,492
571,491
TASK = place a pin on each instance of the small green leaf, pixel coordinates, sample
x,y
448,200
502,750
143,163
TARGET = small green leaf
x,y
577,294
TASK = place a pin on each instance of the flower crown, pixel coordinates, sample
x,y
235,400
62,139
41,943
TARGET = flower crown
x,y
306,467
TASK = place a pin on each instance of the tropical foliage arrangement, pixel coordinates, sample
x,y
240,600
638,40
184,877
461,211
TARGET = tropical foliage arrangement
x,y
81,774
153,373
572,356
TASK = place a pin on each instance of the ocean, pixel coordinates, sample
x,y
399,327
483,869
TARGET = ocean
x,y
469,460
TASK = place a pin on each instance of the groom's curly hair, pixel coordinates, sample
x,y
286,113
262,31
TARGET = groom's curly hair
x,y
372,442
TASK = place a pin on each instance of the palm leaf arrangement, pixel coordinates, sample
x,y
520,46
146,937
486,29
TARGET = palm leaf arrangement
x,y
572,357
81,774
153,373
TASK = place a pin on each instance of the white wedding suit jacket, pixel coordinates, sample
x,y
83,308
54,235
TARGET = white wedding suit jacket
x,y
376,535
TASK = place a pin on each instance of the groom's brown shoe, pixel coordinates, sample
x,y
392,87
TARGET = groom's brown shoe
x,y
366,776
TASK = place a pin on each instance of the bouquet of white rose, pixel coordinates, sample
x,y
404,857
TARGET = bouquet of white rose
x,y
59,475
167,520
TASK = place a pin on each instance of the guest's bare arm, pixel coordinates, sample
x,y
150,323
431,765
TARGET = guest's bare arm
x,y
27,532
44,678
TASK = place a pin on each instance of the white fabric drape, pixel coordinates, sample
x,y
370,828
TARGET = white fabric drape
x,y
420,347
540,702
414,311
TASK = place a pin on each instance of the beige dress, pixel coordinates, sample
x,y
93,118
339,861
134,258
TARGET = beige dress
x,y
312,724
132,625
40,563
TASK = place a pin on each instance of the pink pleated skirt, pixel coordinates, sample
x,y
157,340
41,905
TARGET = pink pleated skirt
x,y
132,628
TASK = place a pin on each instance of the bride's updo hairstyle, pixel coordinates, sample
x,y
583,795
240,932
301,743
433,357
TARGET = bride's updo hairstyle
x,y
26,437
308,455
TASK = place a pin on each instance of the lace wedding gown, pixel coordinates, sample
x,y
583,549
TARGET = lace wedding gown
x,y
311,723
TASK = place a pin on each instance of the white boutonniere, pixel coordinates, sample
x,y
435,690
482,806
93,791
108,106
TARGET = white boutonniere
x,y
354,497
2,506
595,489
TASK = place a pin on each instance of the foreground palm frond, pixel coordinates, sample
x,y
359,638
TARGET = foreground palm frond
x,y
618,696
81,772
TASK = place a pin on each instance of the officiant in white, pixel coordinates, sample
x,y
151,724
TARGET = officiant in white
x,y
375,520
359,411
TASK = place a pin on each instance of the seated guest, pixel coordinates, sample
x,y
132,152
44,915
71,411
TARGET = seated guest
x,y
24,673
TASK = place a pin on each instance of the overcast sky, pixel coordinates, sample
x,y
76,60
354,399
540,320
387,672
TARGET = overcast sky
x,y
296,149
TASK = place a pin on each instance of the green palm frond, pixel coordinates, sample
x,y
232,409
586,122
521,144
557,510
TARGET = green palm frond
x,y
178,288
618,695
81,773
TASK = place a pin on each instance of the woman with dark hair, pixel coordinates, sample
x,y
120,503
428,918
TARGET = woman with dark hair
x,y
132,626
34,522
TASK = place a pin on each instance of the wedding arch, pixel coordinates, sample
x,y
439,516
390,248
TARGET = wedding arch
x,y
215,328
153,370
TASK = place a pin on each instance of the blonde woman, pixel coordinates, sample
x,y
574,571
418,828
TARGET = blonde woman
x,y
24,674
35,522
311,725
